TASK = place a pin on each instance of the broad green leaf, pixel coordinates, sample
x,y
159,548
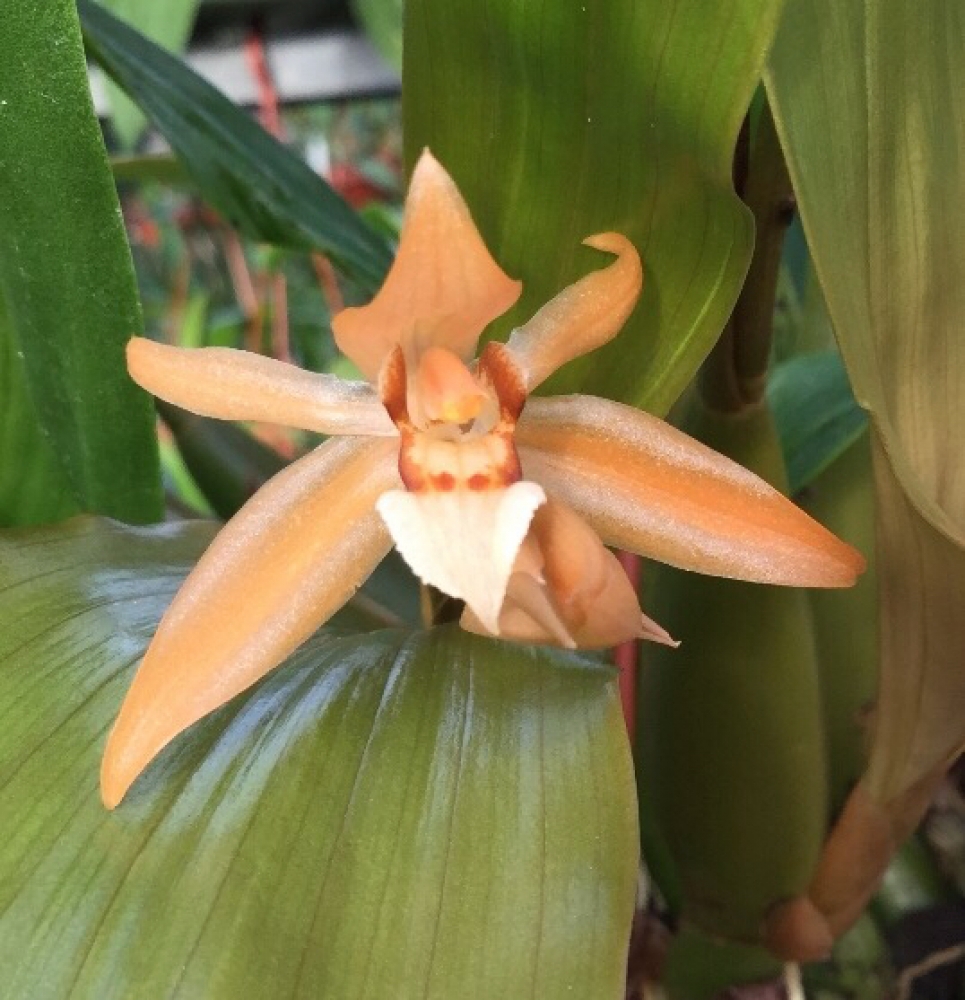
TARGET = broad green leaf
x,y
425,814
260,186
169,24
65,266
868,98
815,412
33,486
559,120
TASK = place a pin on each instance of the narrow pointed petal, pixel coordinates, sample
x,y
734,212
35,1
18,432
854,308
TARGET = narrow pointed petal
x,y
583,317
463,542
527,616
443,288
293,555
646,487
238,385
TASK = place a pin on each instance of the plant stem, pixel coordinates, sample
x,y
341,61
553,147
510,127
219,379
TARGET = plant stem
x,y
734,376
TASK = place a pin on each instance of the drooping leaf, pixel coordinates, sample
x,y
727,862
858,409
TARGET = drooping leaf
x,y
169,24
65,266
260,186
33,485
562,120
426,814
868,102
816,414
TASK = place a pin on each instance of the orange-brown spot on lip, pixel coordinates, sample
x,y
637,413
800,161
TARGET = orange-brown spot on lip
x,y
444,481
479,481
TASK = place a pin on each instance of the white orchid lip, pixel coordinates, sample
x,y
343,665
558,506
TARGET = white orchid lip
x,y
465,511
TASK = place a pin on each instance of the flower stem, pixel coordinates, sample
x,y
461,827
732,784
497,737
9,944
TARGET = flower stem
x,y
734,376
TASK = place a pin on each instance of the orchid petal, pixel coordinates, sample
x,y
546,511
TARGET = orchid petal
x,y
293,555
581,318
527,616
589,586
443,288
567,590
238,385
462,541
647,487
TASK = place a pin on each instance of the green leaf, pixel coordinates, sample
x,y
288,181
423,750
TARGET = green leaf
x,y
731,750
33,486
162,168
428,814
816,414
260,186
227,463
382,20
868,98
169,24
561,120
65,267
842,498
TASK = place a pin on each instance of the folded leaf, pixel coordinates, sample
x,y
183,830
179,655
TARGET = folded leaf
x,y
868,102
432,813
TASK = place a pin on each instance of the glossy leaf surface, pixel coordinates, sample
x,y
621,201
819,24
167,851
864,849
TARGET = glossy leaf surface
x,y
868,102
558,121
259,185
65,266
398,814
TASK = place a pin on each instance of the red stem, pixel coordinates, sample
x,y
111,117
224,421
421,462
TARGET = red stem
x,y
627,653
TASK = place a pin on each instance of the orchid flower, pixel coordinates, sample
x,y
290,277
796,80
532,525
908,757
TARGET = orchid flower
x,y
499,500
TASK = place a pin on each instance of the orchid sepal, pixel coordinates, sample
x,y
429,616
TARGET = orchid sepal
x,y
290,558
646,487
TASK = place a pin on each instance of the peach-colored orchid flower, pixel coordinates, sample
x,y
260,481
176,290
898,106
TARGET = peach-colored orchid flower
x,y
502,507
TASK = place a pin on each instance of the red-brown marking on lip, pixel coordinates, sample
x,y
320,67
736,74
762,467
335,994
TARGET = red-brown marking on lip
x,y
443,481
392,388
497,366
479,481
